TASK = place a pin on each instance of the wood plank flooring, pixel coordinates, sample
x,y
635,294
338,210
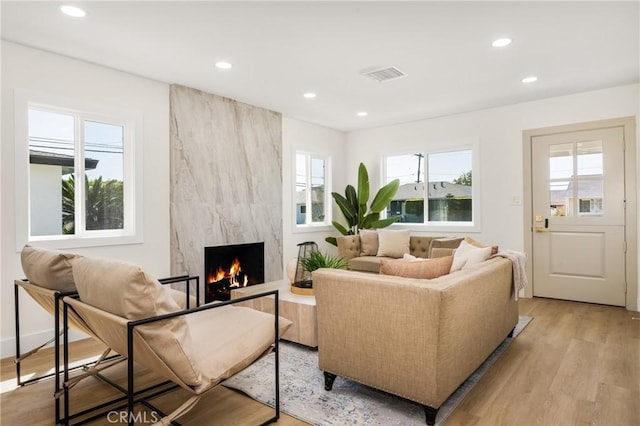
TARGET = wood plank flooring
x,y
575,364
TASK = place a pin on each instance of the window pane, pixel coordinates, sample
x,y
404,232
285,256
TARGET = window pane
x,y
408,202
589,158
450,186
559,197
590,194
317,190
51,161
104,168
561,161
301,189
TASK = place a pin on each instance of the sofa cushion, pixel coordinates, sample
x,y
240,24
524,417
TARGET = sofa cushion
x,y
48,268
425,269
450,243
441,252
368,243
348,246
393,243
366,263
473,254
419,246
494,249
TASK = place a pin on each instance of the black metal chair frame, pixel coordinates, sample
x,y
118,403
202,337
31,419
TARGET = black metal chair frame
x,y
143,396
58,296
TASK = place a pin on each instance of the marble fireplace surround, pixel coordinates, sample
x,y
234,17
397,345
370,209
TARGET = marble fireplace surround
x,y
226,179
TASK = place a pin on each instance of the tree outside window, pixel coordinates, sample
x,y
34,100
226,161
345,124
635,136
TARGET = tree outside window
x,y
63,146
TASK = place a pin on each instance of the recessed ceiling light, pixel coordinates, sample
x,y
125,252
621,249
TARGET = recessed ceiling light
x,y
362,114
501,42
76,12
309,95
530,79
223,65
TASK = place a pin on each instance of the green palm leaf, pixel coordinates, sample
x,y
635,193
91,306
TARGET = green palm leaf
x,y
384,196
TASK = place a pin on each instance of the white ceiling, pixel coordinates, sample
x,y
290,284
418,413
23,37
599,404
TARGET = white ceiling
x,y
280,50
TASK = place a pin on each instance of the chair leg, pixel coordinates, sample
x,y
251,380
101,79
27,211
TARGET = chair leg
x,y
329,378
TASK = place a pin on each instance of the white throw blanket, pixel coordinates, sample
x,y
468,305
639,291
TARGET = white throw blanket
x,y
519,261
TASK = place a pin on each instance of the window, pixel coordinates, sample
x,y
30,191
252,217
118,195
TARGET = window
x,y
576,176
81,185
311,190
447,188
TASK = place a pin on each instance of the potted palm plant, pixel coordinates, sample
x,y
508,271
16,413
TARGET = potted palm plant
x,y
354,208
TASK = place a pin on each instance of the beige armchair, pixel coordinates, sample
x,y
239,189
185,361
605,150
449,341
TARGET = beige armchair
x,y
133,314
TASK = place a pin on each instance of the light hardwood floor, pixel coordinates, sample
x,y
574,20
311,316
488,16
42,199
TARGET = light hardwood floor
x,y
574,364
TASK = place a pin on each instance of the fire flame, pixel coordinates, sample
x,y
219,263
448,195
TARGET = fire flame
x,y
231,275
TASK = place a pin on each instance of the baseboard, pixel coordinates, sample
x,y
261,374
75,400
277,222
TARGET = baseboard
x,y
30,341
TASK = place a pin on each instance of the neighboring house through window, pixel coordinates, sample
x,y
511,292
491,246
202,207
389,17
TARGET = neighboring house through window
x,y
444,179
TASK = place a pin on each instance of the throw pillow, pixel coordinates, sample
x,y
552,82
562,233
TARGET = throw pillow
x,y
449,243
368,243
458,263
494,249
393,243
48,268
473,254
411,258
425,268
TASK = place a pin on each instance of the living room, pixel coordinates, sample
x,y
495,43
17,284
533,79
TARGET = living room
x,y
171,227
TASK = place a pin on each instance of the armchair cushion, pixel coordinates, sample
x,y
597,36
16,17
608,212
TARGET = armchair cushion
x,y
122,288
48,268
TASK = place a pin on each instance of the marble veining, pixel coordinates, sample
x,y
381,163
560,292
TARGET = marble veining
x,y
226,178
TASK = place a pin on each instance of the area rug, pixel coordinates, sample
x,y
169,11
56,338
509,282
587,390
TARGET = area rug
x,y
302,393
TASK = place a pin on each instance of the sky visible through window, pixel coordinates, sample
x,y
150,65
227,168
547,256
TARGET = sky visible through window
x,y
444,166
54,132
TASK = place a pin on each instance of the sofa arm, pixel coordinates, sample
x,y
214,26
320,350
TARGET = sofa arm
x,y
371,327
348,246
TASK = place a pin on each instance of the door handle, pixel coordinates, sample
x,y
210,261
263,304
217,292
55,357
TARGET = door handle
x,y
541,229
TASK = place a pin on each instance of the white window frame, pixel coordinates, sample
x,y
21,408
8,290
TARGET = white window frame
x,y
328,207
131,121
439,148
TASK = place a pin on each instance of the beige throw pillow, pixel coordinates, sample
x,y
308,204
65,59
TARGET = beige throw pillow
x,y
48,268
368,243
449,243
425,269
473,254
393,243
494,249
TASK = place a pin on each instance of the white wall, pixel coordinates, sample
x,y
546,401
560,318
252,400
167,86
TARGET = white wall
x,y
34,70
299,135
499,131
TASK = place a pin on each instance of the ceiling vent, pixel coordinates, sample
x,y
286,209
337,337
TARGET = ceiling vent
x,y
384,74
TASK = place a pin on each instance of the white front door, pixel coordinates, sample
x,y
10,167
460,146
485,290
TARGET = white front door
x,y
578,192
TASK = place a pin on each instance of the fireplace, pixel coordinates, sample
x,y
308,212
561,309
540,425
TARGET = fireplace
x,y
232,266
